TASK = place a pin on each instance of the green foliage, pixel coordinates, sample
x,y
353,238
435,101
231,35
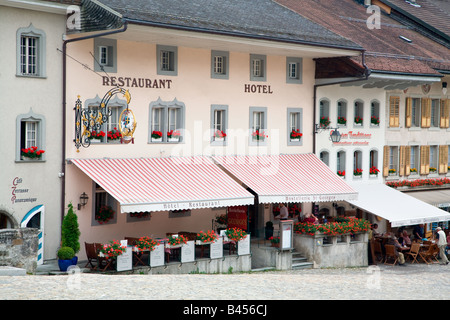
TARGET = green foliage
x,y
70,233
66,253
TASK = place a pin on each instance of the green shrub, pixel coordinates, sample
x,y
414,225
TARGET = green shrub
x,y
66,253
70,233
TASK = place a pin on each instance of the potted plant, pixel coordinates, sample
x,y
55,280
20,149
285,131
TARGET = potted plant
x,y
156,135
146,244
114,134
65,257
275,241
235,234
31,153
296,134
259,136
342,120
112,250
70,232
206,237
94,136
173,135
219,135
269,229
324,122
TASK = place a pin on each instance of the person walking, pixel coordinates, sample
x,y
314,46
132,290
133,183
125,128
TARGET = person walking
x,y
442,244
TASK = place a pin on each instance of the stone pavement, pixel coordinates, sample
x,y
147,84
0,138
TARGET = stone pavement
x,y
382,282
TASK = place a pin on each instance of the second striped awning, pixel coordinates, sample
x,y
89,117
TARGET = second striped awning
x,y
163,184
288,178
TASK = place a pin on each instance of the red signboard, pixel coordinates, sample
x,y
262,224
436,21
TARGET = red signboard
x,y
237,217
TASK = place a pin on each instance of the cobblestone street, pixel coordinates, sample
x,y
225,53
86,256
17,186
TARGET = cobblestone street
x,y
374,283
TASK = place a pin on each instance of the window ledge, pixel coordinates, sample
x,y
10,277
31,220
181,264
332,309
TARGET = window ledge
x,y
30,76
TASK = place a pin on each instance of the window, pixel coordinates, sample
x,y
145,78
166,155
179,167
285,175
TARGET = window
x,y
325,157
167,60
393,160
103,199
357,163
105,55
340,163
324,113
412,115
373,160
295,127
30,132
342,113
219,123
30,52
111,125
435,106
359,113
414,160
394,106
166,121
375,113
293,70
433,159
257,67
258,125
219,64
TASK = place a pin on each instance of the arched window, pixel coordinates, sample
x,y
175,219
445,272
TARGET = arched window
x,y
373,161
340,163
375,113
357,163
324,113
358,113
341,113
325,157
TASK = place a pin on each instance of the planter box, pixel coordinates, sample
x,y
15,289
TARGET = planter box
x,y
219,139
173,139
157,139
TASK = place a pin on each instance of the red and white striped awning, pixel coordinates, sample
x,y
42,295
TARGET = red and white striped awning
x,y
288,178
163,184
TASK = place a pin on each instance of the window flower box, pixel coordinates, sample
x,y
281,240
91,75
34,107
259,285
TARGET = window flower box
x,y
358,121
173,136
156,136
259,136
342,121
31,153
96,137
341,174
357,173
296,135
375,121
324,122
114,135
219,136
392,172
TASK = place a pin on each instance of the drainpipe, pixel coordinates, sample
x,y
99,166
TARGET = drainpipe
x,y
64,103
365,76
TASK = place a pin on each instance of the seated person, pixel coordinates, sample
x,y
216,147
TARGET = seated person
x,y
394,241
375,232
404,240
309,217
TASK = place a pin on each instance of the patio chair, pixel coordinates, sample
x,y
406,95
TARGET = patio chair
x,y
413,252
137,256
378,252
390,254
92,255
430,254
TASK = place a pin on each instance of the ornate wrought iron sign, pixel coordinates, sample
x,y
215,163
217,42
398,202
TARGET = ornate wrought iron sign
x,y
89,120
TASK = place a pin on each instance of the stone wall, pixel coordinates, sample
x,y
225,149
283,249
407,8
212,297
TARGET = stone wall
x,y
334,251
18,248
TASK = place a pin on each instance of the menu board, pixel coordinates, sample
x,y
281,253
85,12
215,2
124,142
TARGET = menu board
x,y
286,234
216,249
244,246
188,252
125,260
157,256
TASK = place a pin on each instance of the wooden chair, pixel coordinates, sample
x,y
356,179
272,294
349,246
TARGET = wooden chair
x,y
430,254
103,263
378,252
390,254
137,256
92,255
414,252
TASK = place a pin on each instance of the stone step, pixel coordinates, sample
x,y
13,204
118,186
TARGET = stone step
x,y
263,269
302,265
299,261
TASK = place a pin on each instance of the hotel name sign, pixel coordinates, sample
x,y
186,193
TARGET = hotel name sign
x,y
354,138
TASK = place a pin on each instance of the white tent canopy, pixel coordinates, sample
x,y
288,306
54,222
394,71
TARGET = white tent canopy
x,y
398,208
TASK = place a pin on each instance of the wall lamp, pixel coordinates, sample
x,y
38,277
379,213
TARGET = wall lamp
x,y
83,200
335,135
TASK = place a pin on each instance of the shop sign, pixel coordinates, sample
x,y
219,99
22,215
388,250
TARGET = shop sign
x,y
358,138
137,82
17,191
257,88
237,217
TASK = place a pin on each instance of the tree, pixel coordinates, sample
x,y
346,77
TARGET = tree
x,y
70,233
